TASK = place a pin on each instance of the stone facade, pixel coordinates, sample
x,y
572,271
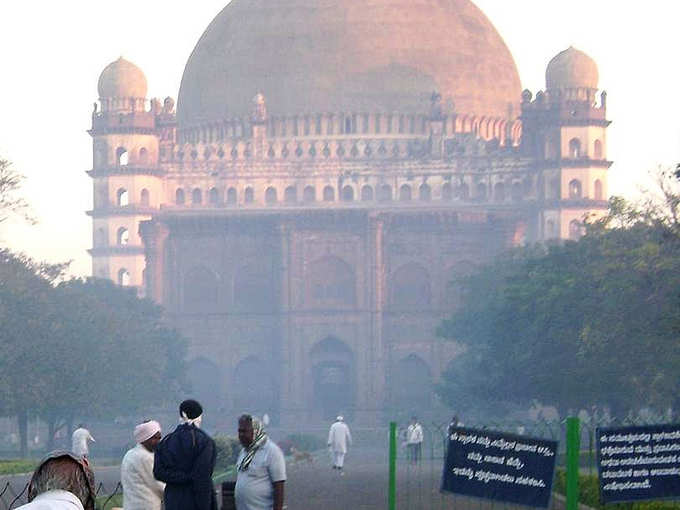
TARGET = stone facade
x,y
309,257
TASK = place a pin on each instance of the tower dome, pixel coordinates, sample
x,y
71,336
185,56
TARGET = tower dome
x,y
122,79
571,69
324,56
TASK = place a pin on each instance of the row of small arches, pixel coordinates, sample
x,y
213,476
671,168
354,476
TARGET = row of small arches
x,y
367,193
125,157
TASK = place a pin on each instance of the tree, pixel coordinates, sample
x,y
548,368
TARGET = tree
x,y
10,203
579,323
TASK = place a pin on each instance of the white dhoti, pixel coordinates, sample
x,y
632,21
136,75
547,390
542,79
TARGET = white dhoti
x,y
338,459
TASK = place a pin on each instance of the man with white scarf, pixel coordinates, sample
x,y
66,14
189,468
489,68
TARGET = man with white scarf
x,y
261,468
185,460
141,491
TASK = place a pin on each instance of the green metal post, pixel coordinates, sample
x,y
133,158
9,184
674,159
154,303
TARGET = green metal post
x,y
392,496
573,454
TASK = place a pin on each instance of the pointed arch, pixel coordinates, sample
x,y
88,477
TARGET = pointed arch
x,y
410,288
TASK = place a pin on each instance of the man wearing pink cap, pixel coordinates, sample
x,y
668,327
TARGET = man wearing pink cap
x,y
141,491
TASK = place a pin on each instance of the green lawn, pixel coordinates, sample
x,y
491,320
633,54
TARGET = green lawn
x,y
116,501
16,466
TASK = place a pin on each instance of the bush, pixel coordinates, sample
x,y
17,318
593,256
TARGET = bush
x,y
304,442
589,494
228,448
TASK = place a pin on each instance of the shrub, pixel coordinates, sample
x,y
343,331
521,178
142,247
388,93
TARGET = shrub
x,y
228,448
305,442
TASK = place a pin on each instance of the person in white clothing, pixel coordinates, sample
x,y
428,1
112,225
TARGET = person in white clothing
x,y
62,481
414,440
339,439
141,491
79,441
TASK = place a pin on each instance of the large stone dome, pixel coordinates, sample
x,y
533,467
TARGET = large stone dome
x,y
318,56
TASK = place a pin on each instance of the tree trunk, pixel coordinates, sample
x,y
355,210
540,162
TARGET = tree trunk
x,y
22,419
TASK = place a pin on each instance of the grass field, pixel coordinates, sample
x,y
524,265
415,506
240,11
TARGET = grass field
x,y
16,466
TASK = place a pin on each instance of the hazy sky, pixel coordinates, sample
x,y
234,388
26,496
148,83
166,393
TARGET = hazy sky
x,y
52,54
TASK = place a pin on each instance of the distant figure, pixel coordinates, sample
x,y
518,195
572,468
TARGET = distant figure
x,y
62,481
339,439
414,440
261,468
454,423
185,460
79,441
141,491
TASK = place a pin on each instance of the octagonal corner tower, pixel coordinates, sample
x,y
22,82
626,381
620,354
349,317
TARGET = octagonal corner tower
x,y
362,56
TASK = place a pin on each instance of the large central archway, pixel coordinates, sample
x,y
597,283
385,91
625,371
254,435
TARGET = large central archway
x,y
333,375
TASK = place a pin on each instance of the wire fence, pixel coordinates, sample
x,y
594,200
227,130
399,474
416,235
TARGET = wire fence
x,y
13,495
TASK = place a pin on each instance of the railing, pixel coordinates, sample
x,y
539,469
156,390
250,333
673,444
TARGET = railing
x,y
14,495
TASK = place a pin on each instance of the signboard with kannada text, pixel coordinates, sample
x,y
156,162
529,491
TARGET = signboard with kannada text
x,y
639,463
499,466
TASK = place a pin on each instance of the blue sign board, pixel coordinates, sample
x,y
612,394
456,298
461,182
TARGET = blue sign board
x,y
499,466
639,463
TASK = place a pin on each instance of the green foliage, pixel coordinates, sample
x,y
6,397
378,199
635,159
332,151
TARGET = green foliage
x,y
104,503
80,347
228,449
575,324
14,467
10,203
589,495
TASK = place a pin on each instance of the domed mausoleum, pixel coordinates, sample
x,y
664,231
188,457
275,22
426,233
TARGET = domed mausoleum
x,y
332,167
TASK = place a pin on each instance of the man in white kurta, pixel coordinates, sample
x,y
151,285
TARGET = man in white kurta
x,y
141,491
339,439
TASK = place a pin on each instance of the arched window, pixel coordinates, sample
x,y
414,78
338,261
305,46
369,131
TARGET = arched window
x,y
122,156
179,196
425,192
196,196
333,377
551,229
328,194
143,156
412,387
554,189
122,198
290,195
206,380
144,197
405,193
232,196
574,148
123,278
481,191
213,196
253,387
599,194
123,237
575,190
366,193
499,192
597,150
249,196
270,195
410,288
200,290
309,194
447,191
575,230
385,193
331,281
348,194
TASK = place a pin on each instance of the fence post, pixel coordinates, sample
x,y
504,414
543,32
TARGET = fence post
x,y
392,496
573,457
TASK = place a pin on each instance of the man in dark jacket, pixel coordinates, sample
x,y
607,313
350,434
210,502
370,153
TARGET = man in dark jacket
x,y
185,460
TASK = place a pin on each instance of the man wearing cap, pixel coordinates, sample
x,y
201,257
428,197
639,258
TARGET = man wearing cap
x,y
62,481
339,438
141,491
185,460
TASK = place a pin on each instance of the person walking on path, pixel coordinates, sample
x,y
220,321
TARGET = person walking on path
x,y
79,441
185,460
414,440
339,439
261,468
141,491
